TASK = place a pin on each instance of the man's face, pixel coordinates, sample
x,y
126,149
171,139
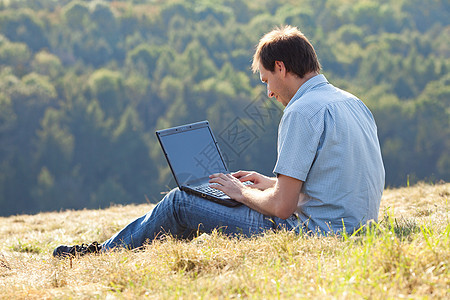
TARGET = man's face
x,y
276,83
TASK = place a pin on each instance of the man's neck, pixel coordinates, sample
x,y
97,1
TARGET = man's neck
x,y
297,82
305,78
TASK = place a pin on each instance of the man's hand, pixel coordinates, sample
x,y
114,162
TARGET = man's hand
x,y
260,181
228,184
272,197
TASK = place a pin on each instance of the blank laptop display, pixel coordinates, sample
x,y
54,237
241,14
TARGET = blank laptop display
x,y
193,154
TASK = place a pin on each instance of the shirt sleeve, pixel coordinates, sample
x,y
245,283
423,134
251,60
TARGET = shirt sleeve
x,y
298,141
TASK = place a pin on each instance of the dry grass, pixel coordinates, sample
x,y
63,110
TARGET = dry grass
x,y
405,255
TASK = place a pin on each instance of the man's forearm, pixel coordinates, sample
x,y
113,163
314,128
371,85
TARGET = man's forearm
x,y
270,196
261,200
280,201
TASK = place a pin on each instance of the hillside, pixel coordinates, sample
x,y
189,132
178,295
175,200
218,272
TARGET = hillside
x,y
406,255
85,84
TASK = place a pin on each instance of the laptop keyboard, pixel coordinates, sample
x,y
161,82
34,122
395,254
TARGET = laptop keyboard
x,y
205,188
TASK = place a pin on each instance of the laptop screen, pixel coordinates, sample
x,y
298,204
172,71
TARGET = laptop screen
x,y
192,152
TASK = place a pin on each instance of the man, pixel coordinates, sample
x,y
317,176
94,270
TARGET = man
x,y
329,170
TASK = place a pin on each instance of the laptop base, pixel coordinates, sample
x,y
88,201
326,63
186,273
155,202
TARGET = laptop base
x,y
223,201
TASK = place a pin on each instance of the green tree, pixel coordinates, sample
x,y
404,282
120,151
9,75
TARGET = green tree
x,y
132,166
76,14
24,27
8,123
15,55
47,64
433,130
107,86
55,144
144,56
108,192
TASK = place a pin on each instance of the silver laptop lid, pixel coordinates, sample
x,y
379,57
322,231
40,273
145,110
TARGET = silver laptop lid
x,y
192,153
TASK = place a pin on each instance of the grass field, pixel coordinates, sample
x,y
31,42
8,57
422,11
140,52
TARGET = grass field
x,y
405,255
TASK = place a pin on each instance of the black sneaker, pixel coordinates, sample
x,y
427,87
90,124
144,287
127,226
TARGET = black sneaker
x,y
76,250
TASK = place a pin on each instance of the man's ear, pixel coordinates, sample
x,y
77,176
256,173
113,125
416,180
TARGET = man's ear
x,y
280,67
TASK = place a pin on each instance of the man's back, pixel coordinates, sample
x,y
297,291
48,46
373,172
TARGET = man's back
x,y
338,156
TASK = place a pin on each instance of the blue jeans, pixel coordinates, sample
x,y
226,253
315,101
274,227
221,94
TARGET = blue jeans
x,y
180,214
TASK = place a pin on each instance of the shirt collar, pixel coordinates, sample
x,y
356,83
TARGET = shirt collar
x,y
313,82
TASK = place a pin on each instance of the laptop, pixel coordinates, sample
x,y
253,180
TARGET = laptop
x,y
193,154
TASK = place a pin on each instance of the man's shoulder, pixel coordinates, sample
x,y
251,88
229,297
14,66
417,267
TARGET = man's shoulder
x,y
310,103
319,98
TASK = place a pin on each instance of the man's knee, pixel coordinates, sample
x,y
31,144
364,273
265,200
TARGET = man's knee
x,y
177,194
176,198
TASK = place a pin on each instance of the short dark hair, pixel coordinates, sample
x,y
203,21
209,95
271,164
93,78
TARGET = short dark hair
x,y
289,45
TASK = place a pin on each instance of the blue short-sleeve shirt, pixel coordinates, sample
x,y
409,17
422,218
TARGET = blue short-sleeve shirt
x,y
327,138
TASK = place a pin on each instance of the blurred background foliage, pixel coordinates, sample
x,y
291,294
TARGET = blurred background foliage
x,y
84,85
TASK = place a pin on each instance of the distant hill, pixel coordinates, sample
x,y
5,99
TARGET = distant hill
x,y
85,84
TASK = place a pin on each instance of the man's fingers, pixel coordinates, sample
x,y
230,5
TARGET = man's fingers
x,y
240,174
217,175
216,180
251,176
221,178
247,177
217,187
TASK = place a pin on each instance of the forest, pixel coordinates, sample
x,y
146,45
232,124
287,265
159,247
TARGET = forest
x,y
85,84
